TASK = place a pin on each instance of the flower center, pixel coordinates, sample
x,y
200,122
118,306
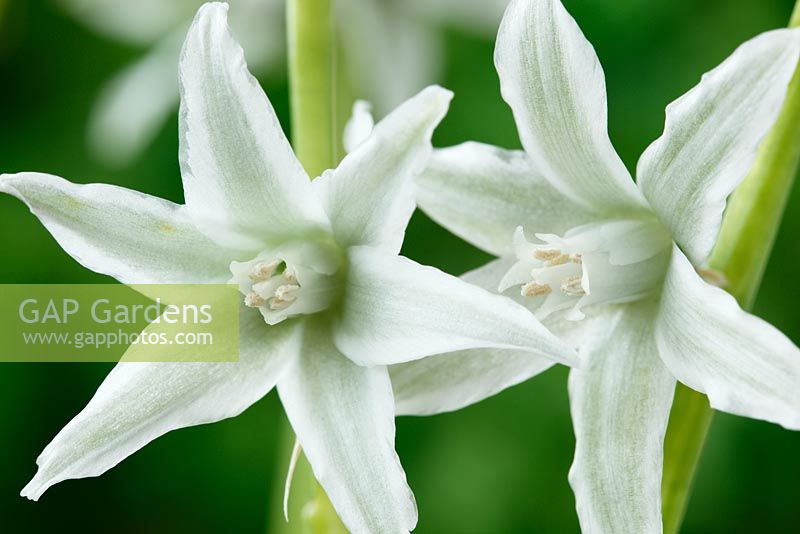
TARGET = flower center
x,y
289,281
606,262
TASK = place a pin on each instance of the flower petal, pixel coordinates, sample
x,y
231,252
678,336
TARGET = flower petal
x,y
139,402
483,193
343,415
449,382
620,403
134,105
359,126
455,380
243,184
395,310
745,365
370,196
711,136
553,81
136,23
136,238
390,54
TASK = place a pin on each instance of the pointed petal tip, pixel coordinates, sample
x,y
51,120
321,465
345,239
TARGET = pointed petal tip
x,y
211,9
435,99
208,6
363,106
443,92
439,95
5,183
9,183
35,488
5,187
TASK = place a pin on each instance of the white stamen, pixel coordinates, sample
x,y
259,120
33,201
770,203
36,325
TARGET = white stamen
x,y
280,288
287,292
605,261
559,260
289,275
263,271
276,304
532,289
254,300
572,287
547,254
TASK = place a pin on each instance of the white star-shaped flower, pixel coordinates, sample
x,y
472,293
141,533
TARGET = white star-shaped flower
x,y
328,303
391,51
610,265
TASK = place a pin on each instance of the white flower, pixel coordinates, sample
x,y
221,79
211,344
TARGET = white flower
x,y
319,262
392,50
134,104
596,245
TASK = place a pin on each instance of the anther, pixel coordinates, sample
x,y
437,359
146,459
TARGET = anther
x,y
572,286
263,271
532,289
284,296
253,300
290,276
547,254
561,259
276,304
287,292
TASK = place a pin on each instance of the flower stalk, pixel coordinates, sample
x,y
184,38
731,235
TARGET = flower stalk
x,y
312,84
316,138
741,254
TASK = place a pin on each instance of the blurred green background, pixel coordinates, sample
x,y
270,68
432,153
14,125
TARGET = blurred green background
x,y
498,467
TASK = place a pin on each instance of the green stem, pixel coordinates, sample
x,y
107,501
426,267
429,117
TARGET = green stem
x,y
316,138
689,422
745,242
312,83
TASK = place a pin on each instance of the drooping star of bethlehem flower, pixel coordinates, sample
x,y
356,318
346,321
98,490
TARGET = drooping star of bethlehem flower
x,y
391,50
327,301
609,265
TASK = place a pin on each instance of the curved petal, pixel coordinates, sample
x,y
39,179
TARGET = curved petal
x,y
395,310
359,126
483,193
390,55
136,238
343,415
745,365
620,403
370,196
551,78
137,23
449,382
711,136
243,184
139,402
135,104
